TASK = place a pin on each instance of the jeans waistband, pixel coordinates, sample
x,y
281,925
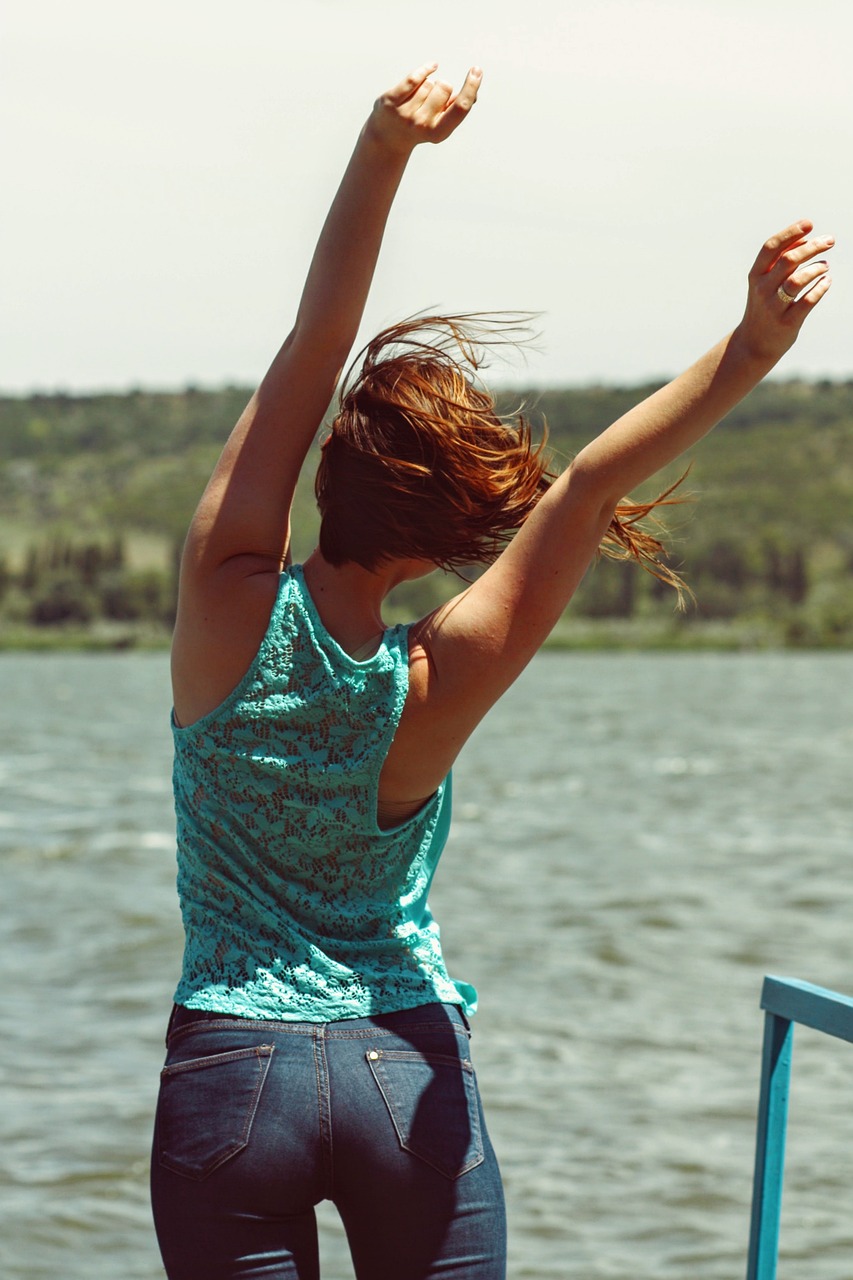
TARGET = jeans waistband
x,y
436,1015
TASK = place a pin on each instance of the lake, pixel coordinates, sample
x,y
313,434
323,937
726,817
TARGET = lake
x,y
637,840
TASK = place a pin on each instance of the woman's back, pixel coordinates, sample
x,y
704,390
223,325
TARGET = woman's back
x,y
297,905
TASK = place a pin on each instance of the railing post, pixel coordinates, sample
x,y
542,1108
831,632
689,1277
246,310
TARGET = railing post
x,y
770,1147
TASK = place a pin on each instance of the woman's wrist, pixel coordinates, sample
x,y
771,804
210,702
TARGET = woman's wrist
x,y
378,140
747,348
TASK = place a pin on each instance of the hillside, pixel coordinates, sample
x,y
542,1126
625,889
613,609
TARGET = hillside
x,y
96,493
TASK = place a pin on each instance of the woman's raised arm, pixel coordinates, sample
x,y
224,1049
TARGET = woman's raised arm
x,y
786,282
240,534
245,508
480,642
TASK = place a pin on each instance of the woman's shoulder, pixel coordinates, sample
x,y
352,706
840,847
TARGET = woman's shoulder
x,y
219,632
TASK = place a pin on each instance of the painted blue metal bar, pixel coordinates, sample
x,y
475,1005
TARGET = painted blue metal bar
x,y
812,1006
785,1001
770,1147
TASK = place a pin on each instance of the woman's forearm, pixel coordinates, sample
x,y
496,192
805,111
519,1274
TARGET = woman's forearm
x,y
417,110
344,261
787,280
672,420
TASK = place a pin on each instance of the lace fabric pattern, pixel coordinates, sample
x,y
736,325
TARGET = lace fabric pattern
x,y
296,905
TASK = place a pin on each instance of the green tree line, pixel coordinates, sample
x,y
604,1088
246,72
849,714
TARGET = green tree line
x,y
96,493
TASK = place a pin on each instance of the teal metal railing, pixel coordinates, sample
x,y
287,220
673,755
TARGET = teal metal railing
x,y
785,1001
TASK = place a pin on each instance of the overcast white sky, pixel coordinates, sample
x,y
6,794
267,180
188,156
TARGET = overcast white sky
x,y
167,167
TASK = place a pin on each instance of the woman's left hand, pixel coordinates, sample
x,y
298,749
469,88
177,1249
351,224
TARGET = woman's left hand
x,y
787,281
420,109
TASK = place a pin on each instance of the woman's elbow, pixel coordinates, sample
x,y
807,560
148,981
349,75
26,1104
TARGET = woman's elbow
x,y
591,488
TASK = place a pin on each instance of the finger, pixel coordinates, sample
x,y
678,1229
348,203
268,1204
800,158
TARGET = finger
x,y
435,102
458,107
409,85
467,95
776,245
796,255
795,283
806,304
813,296
418,98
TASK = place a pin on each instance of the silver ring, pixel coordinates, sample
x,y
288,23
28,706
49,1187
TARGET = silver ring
x,y
784,296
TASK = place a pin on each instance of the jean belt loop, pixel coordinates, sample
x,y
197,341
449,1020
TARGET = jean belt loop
x,y
171,1023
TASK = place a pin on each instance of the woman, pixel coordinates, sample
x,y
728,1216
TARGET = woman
x,y
318,1047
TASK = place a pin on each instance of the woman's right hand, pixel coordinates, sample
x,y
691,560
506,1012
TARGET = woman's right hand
x,y
419,109
788,279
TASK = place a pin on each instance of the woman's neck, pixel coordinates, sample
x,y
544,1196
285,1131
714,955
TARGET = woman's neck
x,y
349,600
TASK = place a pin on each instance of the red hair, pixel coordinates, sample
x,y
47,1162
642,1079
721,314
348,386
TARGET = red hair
x,y
420,465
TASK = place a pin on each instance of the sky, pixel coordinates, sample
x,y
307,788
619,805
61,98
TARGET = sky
x,y
167,168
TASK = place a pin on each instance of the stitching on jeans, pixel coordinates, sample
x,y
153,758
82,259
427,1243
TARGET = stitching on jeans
x,y
216,1060
263,1057
226,1023
426,1055
361,1033
472,1103
324,1104
308,1028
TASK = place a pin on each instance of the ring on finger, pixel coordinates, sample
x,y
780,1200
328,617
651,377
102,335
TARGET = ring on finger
x,y
784,296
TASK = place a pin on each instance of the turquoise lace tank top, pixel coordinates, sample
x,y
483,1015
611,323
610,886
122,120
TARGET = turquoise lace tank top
x,y
296,905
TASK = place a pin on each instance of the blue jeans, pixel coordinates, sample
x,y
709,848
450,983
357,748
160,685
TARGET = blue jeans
x,y
259,1121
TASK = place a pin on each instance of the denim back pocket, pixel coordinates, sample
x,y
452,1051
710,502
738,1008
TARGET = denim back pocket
x,y
206,1108
433,1103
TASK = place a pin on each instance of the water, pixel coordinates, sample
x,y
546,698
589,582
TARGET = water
x,y
637,840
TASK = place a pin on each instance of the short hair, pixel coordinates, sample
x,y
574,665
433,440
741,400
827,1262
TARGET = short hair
x,y
418,463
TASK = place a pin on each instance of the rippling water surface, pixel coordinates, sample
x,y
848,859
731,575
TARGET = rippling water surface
x,y
638,839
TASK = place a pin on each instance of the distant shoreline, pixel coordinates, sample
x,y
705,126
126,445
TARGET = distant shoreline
x,y
579,635
96,495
